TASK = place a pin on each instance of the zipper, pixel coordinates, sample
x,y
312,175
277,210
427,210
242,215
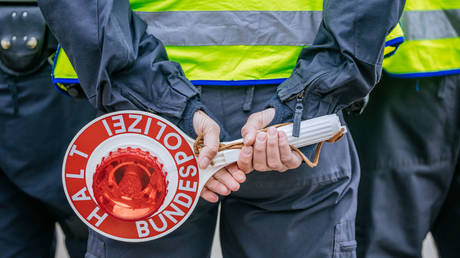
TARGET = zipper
x,y
298,114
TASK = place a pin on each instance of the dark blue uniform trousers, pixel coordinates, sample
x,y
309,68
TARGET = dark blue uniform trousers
x,y
408,140
304,212
36,125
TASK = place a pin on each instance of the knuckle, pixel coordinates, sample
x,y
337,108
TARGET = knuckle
x,y
206,194
235,187
248,169
278,168
259,167
219,175
244,130
295,164
243,163
224,190
218,188
212,184
245,167
274,165
260,123
286,159
212,151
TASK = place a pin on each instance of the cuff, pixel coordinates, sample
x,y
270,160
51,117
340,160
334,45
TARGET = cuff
x,y
315,103
283,113
186,123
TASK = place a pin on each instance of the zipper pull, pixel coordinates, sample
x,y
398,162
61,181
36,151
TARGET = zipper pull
x,y
298,115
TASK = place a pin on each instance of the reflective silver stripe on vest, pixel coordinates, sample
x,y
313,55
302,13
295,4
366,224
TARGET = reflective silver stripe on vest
x,y
226,28
440,24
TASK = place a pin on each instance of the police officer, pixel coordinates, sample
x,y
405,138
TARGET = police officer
x,y
408,140
36,123
251,61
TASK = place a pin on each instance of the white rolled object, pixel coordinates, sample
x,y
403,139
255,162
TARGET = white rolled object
x,y
314,130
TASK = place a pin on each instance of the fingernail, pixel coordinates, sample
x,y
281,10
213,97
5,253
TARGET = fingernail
x,y
240,176
224,190
261,137
272,131
204,163
213,198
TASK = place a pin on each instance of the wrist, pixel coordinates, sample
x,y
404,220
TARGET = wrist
x,y
186,123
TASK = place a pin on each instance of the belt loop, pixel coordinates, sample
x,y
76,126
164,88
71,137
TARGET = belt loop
x,y
443,87
248,99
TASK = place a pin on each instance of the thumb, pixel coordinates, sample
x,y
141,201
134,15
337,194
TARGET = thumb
x,y
256,122
206,126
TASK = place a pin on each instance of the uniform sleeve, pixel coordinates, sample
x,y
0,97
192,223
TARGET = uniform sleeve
x,y
344,62
118,64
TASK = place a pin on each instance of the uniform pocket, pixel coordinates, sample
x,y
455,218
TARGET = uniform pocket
x,y
344,240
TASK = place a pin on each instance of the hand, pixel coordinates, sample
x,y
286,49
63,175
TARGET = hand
x,y
206,126
225,180
265,151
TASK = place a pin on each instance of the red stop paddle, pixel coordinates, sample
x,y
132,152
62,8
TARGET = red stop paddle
x,y
133,176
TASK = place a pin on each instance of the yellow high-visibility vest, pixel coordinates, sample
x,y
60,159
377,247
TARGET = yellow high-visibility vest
x,y
432,41
228,42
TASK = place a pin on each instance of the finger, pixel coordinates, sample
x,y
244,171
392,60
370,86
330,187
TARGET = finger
x,y
206,155
249,130
256,122
245,159
211,145
289,158
217,187
209,195
273,154
297,160
205,125
225,178
236,173
260,157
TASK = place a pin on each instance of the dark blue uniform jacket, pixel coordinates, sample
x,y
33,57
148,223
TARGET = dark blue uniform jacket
x,y
120,66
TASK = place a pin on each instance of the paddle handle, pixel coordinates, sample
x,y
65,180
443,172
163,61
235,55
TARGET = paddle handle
x,y
314,130
311,131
